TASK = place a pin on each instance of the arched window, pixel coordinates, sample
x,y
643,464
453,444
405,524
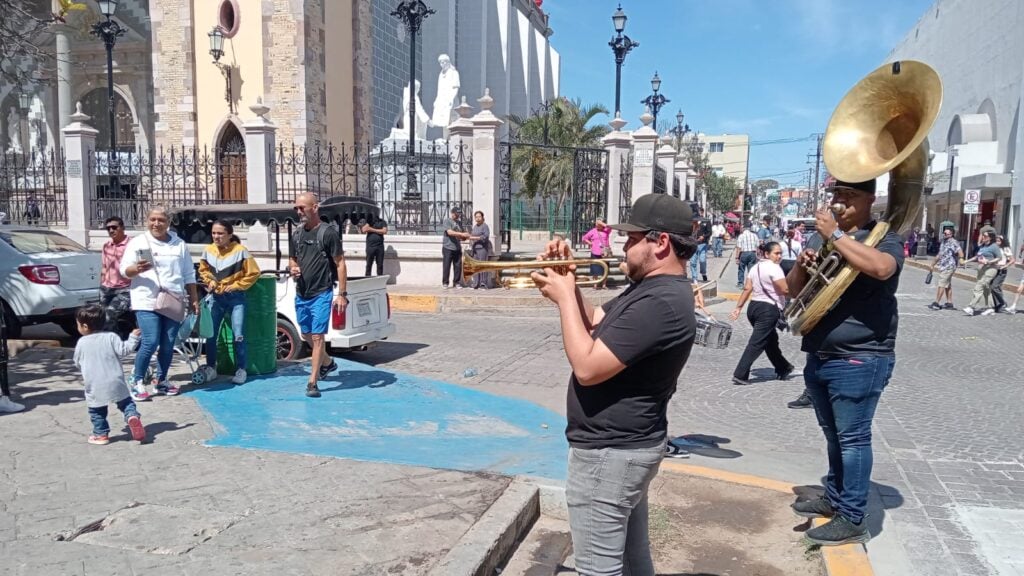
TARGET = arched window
x,y
94,104
231,165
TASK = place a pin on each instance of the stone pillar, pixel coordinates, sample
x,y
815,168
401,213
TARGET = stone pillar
x,y
80,143
260,144
63,53
460,146
617,144
485,165
681,173
665,156
644,141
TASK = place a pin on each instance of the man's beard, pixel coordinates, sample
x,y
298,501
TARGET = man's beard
x,y
637,273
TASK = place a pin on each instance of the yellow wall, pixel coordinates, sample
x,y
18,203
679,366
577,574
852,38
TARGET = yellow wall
x,y
340,72
244,52
734,157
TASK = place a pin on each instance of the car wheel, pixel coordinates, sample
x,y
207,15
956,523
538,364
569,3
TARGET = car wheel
x,y
68,325
11,325
289,343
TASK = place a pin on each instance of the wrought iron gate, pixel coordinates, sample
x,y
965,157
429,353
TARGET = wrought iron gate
x,y
626,188
586,193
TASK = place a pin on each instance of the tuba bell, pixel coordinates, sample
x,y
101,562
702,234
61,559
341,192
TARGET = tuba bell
x,y
880,126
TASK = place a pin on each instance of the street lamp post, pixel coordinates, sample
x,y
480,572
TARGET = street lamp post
x,y
621,45
412,13
949,191
108,30
655,101
24,101
217,50
680,131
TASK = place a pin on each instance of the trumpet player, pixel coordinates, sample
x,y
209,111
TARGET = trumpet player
x,y
625,357
850,357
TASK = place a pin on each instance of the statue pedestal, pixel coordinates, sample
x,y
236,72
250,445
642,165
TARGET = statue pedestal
x,y
412,189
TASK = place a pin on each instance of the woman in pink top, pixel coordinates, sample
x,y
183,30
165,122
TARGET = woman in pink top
x,y
766,288
599,238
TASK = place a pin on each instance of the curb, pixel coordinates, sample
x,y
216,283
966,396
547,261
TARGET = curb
x,y
493,538
15,347
846,560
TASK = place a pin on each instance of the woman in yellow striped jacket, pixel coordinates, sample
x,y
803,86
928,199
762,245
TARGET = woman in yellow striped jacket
x,y
227,270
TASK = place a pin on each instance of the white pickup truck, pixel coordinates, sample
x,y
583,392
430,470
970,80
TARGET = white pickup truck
x,y
366,320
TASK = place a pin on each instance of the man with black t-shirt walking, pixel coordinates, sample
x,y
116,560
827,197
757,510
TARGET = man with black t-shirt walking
x,y
850,357
626,357
314,250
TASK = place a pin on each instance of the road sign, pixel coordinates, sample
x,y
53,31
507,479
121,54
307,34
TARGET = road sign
x,y
972,196
971,209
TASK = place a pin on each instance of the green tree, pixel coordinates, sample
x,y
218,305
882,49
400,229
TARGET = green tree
x,y
722,191
549,172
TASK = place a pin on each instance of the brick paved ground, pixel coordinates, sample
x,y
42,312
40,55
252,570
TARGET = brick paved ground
x,y
949,462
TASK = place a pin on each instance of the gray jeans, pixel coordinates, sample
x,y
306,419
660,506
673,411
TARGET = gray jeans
x,y
606,492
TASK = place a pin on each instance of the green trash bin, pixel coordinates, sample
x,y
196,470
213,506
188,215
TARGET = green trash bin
x,y
260,331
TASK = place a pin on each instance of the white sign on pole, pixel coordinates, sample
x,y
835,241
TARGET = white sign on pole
x,y
972,208
972,196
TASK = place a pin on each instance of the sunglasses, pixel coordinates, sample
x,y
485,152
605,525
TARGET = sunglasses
x,y
109,228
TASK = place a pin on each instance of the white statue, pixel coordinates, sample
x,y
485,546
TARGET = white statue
x,y
422,118
447,92
13,131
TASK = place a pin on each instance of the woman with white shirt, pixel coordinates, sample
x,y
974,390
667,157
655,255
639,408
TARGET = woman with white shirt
x,y
790,251
766,288
158,261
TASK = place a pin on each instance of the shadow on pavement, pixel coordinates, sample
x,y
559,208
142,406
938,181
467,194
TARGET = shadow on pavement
x,y
384,353
350,380
704,445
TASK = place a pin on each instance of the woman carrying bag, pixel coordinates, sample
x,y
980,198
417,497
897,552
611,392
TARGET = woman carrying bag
x,y
163,289
227,270
766,282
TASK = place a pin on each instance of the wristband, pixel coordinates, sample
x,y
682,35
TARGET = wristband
x,y
343,294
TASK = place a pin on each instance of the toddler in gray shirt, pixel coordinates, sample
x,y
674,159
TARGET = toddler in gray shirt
x,y
98,355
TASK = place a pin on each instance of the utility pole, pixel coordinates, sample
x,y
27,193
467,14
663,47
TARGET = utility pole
x,y
817,173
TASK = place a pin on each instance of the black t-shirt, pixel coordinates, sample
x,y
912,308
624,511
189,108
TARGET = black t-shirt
x,y
318,271
373,239
865,318
704,231
650,328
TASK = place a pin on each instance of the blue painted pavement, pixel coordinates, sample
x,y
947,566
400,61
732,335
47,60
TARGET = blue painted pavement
x,y
367,413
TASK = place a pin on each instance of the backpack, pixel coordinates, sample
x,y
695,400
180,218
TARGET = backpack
x,y
320,232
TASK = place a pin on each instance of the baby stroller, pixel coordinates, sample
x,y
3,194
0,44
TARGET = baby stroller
x,y
189,347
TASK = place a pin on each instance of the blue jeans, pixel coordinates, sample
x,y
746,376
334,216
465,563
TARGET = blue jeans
x,y
98,415
845,392
716,246
747,261
158,335
700,255
222,305
606,492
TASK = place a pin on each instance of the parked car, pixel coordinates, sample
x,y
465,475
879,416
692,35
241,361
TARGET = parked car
x,y
44,277
367,318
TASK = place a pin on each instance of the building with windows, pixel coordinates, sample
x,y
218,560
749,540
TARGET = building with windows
x,y
976,139
728,155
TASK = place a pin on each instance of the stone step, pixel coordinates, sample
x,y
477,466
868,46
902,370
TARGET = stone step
x,y
542,551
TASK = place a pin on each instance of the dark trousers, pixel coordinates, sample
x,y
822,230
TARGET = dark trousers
x,y
98,415
452,260
374,254
118,304
762,316
747,261
998,300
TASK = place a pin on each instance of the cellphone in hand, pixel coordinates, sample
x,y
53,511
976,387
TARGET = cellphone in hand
x,y
145,254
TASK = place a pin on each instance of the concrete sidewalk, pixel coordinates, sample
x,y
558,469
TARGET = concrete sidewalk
x,y
175,506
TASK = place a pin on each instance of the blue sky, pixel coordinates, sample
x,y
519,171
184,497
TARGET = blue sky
x,y
772,69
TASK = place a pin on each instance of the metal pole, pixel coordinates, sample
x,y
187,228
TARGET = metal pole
x,y
412,85
618,83
109,41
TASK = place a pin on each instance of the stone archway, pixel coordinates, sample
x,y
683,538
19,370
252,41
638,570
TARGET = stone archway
x,y
231,166
94,104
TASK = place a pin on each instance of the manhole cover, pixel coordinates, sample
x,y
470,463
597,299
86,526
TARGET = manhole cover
x,y
154,528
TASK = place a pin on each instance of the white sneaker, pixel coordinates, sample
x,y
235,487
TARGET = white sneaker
x,y
1011,310
210,373
969,311
139,392
9,406
240,376
988,312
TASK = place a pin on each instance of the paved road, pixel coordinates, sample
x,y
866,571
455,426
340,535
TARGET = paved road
x,y
949,469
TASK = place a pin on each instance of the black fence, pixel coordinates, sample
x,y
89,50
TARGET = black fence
x,y
660,178
128,184
415,191
33,188
626,188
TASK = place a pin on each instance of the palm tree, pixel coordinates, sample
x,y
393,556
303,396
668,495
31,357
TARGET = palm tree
x,y
548,171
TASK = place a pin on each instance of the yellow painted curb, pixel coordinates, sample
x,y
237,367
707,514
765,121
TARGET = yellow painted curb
x,y
734,296
414,303
846,560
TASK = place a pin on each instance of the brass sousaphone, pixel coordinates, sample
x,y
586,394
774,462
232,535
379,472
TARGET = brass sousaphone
x,y
880,126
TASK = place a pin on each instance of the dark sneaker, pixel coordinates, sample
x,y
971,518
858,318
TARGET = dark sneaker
x,y
838,531
816,508
803,401
784,374
312,391
935,306
948,306
740,381
703,277
325,370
